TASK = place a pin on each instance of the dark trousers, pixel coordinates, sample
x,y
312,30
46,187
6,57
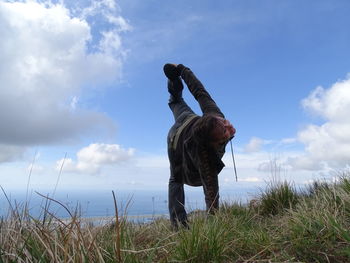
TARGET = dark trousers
x,y
176,194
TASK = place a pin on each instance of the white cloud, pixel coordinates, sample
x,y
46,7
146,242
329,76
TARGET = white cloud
x,y
304,162
254,145
50,60
35,168
93,157
73,103
333,104
251,179
9,153
326,145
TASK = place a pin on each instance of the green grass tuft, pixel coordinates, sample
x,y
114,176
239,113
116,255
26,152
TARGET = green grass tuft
x,y
277,198
283,225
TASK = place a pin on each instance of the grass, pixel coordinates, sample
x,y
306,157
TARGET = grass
x,y
283,225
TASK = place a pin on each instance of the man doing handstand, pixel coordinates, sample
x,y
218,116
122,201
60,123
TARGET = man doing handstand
x,y
196,144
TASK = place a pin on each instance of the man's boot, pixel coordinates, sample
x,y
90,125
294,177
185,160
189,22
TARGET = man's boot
x,y
171,71
175,85
175,88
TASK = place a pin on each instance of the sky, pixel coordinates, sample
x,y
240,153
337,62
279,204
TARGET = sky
x,y
83,98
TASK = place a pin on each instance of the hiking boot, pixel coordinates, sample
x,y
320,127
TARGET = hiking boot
x,y
171,71
175,88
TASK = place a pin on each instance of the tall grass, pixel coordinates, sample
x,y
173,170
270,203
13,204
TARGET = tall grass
x,y
284,225
277,198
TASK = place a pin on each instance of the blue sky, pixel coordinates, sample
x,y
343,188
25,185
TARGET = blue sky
x,y
84,80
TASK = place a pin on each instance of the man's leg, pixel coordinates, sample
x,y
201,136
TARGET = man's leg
x,y
176,103
198,91
177,204
176,194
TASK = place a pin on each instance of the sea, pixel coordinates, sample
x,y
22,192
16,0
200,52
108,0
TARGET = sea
x,y
136,205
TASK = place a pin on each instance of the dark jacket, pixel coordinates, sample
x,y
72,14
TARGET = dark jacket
x,y
191,163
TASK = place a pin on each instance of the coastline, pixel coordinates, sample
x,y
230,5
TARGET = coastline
x,y
105,220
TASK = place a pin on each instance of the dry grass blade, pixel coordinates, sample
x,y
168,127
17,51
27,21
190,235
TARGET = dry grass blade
x,y
93,244
45,243
117,229
262,251
315,229
147,249
58,202
7,198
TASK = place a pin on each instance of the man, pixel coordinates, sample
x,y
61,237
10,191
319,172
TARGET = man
x,y
196,144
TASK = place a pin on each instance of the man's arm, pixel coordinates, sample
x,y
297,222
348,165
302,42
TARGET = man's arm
x,y
207,104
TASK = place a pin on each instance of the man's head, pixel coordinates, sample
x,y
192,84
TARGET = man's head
x,y
224,131
213,130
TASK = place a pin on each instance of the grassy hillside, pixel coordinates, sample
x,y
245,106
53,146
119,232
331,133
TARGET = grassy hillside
x,y
281,225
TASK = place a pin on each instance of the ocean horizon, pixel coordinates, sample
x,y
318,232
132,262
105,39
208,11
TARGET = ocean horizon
x,y
100,203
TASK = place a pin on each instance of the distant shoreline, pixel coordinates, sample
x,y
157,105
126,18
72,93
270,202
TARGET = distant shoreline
x,y
103,220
